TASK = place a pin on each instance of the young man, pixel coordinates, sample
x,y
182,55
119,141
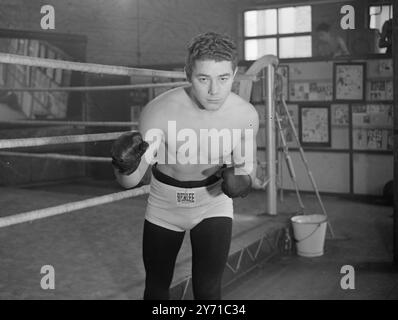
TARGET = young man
x,y
385,40
330,45
202,142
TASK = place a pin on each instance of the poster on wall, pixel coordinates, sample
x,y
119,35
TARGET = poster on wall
x,y
377,90
320,91
380,90
314,124
311,91
372,139
375,114
349,81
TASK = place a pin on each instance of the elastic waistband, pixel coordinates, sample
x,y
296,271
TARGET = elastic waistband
x,y
183,184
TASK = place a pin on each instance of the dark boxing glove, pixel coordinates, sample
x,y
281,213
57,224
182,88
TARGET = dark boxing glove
x,y
235,185
127,151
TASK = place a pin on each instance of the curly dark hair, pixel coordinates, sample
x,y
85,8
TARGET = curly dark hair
x,y
323,27
210,46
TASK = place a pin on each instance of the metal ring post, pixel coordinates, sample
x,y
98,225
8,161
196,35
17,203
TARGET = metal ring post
x,y
270,140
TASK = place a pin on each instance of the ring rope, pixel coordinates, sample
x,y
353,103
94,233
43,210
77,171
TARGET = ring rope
x,y
87,67
52,211
100,88
81,123
41,141
71,206
55,156
71,123
98,68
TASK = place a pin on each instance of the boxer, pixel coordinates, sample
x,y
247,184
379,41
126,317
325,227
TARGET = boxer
x,y
192,192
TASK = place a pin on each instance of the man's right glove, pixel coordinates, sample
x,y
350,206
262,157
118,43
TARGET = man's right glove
x,y
127,151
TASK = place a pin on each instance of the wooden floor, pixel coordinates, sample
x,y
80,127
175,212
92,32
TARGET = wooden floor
x,y
364,235
96,252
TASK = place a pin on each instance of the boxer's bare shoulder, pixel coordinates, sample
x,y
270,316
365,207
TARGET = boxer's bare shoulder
x,y
157,111
244,112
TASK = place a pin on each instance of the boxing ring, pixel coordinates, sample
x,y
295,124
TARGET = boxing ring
x,y
244,91
260,69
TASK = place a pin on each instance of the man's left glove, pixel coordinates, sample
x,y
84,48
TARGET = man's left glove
x,y
235,185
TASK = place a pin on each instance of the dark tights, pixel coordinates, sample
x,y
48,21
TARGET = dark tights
x,y
210,241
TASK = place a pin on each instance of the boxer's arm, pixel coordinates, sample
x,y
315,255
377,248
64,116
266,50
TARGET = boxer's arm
x,y
130,181
154,136
245,152
343,48
240,178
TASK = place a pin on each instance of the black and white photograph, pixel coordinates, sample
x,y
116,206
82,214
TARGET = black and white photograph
x,y
315,126
349,81
225,152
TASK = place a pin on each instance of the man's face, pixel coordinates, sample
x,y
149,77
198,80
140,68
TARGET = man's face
x,y
323,36
211,83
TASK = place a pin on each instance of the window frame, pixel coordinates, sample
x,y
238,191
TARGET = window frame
x,y
277,35
377,4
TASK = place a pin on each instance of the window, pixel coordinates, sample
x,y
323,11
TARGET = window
x,y
380,19
284,32
378,14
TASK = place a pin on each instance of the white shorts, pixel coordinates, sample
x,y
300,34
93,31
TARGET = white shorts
x,y
181,209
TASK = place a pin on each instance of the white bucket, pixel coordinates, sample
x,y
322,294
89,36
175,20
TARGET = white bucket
x,y
309,234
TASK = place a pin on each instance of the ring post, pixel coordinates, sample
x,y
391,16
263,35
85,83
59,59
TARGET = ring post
x,y
270,139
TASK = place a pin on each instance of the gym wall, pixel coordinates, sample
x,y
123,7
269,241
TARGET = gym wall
x,y
133,32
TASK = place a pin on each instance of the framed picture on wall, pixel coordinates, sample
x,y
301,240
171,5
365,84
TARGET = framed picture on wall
x,y
314,126
349,81
380,90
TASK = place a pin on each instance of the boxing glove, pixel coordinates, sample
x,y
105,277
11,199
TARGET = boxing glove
x,y
235,185
127,151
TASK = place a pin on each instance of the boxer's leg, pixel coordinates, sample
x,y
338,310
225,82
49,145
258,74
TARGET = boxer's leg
x,y
210,240
160,249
